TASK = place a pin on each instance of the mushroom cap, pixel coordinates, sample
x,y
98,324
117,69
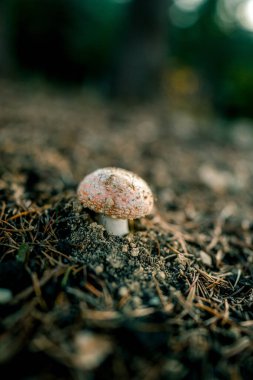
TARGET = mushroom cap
x,y
117,193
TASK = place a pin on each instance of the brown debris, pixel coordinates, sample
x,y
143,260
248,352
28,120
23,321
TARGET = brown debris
x,y
172,299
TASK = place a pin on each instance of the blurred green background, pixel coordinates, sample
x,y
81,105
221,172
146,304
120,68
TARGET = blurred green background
x,y
135,49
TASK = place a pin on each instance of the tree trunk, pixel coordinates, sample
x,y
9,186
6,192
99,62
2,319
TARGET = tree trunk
x,y
5,56
143,50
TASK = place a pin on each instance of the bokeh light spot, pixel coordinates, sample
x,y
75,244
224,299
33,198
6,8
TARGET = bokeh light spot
x,y
244,15
188,5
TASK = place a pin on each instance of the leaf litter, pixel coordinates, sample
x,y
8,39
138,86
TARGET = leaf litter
x,y
174,298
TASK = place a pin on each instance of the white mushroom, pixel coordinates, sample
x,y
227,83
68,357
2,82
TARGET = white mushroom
x,y
116,195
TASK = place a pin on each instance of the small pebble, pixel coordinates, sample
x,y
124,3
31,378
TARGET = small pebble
x,y
138,271
123,291
5,295
161,275
206,259
125,248
135,252
155,301
99,269
136,300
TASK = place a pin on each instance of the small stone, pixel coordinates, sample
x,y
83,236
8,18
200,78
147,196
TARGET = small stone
x,y
5,295
206,259
123,291
124,248
136,300
90,350
138,271
135,252
99,269
155,301
161,275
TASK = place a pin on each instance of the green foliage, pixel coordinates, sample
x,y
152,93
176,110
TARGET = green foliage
x,y
223,60
92,34
64,39
80,40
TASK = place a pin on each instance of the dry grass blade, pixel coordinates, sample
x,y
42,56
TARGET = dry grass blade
x,y
174,296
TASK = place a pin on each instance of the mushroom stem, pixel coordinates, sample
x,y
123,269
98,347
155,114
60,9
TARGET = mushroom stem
x,y
114,226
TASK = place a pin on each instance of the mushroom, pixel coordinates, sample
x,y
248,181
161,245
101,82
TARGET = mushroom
x,y
116,195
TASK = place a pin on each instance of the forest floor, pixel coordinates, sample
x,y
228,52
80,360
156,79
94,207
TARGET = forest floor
x,y
171,300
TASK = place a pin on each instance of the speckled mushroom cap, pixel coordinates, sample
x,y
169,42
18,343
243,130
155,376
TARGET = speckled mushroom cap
x,y
117,193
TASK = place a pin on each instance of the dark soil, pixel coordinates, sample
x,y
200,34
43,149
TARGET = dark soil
x,y
171,300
